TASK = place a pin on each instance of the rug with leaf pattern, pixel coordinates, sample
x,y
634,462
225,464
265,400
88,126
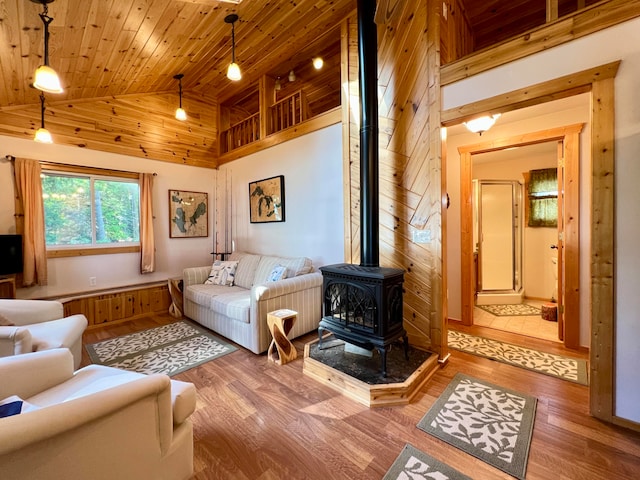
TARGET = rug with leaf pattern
x,y
566,368
488,421
511,310
414,464
169,349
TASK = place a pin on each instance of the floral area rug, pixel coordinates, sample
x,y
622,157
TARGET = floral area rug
x,y
515,310
485,420
566,368
169,349
413,464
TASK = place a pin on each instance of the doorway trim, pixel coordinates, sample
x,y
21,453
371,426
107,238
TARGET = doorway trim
x,y
570,138
600,82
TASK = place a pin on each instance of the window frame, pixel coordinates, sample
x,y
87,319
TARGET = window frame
x,y
86,250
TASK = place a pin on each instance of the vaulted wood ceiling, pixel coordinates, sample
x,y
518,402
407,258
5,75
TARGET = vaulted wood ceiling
x,y
104,48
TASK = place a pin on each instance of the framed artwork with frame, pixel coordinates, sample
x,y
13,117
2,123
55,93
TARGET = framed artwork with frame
x,y
266,200
188,214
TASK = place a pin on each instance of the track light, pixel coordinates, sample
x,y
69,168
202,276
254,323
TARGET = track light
x,y
233,71
45,77
180,113
42,134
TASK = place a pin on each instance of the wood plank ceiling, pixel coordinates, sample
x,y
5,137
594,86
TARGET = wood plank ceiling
x,y
104,48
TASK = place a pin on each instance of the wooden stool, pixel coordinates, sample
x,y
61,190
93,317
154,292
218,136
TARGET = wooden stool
x,y
550,312
280,323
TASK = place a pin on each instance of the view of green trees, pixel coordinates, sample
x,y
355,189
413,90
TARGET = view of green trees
x,y
68,202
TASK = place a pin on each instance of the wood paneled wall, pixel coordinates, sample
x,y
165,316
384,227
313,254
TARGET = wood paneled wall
x,y
410,160
456,33
138,125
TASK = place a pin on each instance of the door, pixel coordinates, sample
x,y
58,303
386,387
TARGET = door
x,y
560,242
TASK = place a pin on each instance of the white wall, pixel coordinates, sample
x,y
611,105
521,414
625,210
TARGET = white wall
x,y
314,208
71,275
587,52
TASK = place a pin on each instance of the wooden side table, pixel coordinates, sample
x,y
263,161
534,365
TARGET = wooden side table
x,y
10,286
280,323
175,290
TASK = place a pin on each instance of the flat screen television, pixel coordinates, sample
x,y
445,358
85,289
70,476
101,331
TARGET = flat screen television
x,y
10,254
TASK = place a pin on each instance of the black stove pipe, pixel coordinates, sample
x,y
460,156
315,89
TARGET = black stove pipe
x,y
368,76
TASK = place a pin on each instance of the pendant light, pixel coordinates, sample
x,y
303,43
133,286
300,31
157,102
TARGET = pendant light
x,y
180,113
318,62
45,77
42,134
233,71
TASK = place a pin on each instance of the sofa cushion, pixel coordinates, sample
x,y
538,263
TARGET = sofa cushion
x,y
14,405
57,333
295,266
246,271
222,273
202,294
236,305
5,322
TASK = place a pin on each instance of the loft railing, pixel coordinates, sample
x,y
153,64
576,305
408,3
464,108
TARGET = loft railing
x,y
289,111
242,133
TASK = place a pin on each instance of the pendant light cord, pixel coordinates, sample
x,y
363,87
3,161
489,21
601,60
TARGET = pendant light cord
x,y
42,110
233,42
46,20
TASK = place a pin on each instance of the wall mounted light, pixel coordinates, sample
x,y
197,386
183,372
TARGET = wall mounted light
x,y
481,124
45,77
42,134
233,71
292,76
318,63
180,113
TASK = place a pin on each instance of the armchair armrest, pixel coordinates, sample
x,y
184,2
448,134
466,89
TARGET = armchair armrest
x,y
27,312
26,375
195,275
14,341
269,290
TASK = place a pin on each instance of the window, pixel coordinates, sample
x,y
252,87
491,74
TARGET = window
x,y
543,198
89,210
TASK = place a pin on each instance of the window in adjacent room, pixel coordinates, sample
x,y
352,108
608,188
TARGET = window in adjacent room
x,y
542,189
84,210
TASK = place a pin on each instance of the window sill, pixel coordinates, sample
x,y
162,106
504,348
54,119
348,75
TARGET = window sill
x,y
83,252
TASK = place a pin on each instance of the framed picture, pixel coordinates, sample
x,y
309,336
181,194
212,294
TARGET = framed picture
x,y
188,214
266,200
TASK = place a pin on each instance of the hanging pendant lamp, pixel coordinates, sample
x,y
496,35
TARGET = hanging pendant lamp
x,y
42,134
233,71
45,77
180,113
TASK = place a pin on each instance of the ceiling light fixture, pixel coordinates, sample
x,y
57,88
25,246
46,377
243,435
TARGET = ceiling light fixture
x,y
42,134
481,124
292,76
180,113
45,77
318,63
277,85
233,71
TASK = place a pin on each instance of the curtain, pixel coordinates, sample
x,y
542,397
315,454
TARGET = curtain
x,y
543,198
29,189
147,242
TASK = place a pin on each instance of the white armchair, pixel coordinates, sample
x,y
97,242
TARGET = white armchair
x,y
39,325
97,423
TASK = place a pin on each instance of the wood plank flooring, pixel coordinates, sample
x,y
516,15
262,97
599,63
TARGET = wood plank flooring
x,y
260,421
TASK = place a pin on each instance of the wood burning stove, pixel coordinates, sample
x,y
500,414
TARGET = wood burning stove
x,y
363,306
363,303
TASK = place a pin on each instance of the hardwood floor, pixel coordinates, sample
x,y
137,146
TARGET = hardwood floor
x,y
257,420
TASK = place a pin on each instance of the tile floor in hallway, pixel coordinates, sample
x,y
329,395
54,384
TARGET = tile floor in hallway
x,y
529,325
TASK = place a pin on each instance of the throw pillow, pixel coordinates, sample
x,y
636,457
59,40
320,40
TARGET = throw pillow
x,y
5,322
222,273
14,405
278,273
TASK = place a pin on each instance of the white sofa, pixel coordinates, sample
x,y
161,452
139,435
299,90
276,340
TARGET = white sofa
x,y
239,312
39,325
97,423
